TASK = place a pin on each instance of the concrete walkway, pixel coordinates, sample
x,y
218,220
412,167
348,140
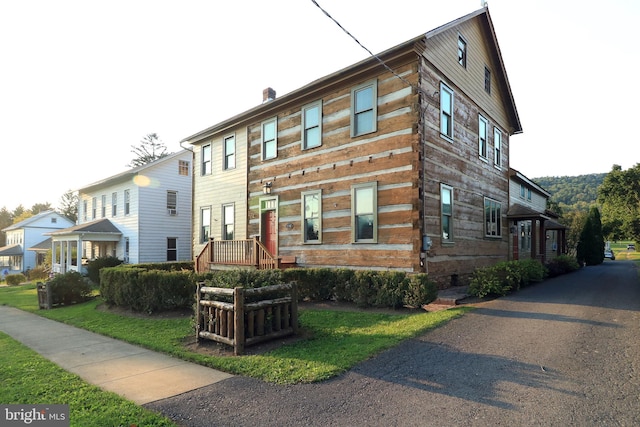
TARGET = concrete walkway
x,y
137,374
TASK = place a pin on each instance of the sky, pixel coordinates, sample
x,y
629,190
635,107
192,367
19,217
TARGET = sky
x,y
81,82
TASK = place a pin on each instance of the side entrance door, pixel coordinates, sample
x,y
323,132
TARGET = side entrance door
x,y
270,233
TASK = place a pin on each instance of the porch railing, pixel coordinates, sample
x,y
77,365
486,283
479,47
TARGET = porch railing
x,y
241,253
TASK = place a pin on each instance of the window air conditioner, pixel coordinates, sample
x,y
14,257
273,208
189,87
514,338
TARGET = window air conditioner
x,y
172,211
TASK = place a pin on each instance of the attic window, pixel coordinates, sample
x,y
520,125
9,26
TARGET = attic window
x,y
487,80
462,51
54,220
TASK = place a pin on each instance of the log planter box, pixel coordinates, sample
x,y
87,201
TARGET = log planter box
x,y
45,296
241,323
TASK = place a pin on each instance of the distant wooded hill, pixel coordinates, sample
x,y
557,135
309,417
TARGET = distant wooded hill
x,y
572,192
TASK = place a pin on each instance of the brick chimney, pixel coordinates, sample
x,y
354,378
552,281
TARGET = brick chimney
x,y
268,95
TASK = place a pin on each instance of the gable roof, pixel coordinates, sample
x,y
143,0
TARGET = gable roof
x,y
129,174
10,250
314,88
519,177
102,225
32,219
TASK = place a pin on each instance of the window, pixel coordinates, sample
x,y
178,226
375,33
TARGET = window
x,y
84,209
482,136
525,236
205,224
528,194
127,202
94,207
364,109
312,125
126,249
103,207
446,112
364,208
206,159
114,204
269,139
54,220
492,220
172,249
446,209
462,51
497,146
312,216
230,152
183,167
172,202
487,80
228,221
523,190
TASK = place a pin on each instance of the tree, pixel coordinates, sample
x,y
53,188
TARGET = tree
x,y
69,205
40,207
590,249
619,196
149,150
6,219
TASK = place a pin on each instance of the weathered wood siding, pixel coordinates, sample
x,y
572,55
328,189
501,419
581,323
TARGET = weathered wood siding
x,y
457,163
388,156
221,186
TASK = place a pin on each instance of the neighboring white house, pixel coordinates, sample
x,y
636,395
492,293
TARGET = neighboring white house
x,y
18,255
141,215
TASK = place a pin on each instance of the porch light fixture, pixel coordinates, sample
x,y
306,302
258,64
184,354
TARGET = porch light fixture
x,y
266,188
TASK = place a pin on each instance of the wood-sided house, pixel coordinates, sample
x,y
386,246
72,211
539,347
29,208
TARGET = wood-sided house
x,y
399,162
534,229
140,215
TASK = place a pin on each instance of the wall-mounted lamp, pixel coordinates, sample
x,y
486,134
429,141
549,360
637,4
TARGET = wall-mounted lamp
x,y
266,188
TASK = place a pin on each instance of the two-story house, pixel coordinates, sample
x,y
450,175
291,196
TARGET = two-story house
x,y
22,237
141,215
398,162
534,229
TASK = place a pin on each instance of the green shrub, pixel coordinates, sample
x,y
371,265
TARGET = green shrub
x,y
69,288
420,291
561,265
485,281
15,279
94,267
531,270
38,273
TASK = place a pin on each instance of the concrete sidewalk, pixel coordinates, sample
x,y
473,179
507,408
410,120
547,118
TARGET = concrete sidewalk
x,y
137,374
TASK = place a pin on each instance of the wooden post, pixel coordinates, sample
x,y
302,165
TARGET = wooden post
x,y
238,320
294,307
198,311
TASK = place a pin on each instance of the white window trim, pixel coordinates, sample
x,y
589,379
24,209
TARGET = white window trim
x,y
493,205
449,188
172,211
201,237
318,105
175,250
273,120
445,88
354,188
224,220
497,148
303,217
374,86
204,162
225,154
482,155
114,204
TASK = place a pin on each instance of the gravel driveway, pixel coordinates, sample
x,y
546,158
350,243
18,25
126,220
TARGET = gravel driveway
x,y
565,352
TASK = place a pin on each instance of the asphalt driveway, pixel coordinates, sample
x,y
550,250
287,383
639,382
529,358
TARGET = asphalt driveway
x,y
562,352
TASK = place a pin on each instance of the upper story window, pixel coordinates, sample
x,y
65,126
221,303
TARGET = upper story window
x,y
312,125
114,204
364,109
492,219
483,125
94,207
528,194
446,111
183,167
312,216
54,220
487,80
462,51
228,221
127,202
103,207
497,148
205,224
206,159
523,190
364,212
446,211
84,210
270,139
230,152
172,202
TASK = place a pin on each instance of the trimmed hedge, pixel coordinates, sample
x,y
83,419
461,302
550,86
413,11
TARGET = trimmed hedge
x,y
505,277
15,279
94,267
69,288
561,265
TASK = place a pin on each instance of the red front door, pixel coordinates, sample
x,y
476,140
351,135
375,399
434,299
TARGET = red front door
x,y
270,231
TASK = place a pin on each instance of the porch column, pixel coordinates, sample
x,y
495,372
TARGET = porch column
x,y
534,243
543,242
54,258
79,254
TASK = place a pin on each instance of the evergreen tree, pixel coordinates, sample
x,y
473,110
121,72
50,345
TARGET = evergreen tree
x,y
69,205
590,249
149,150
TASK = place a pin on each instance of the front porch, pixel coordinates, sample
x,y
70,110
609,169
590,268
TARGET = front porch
x,y
245,253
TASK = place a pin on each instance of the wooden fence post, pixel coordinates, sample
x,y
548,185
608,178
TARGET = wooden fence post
x,y
238,320
198,313
294,307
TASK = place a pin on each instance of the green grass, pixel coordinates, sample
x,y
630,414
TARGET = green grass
x,y
28,378
338,340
